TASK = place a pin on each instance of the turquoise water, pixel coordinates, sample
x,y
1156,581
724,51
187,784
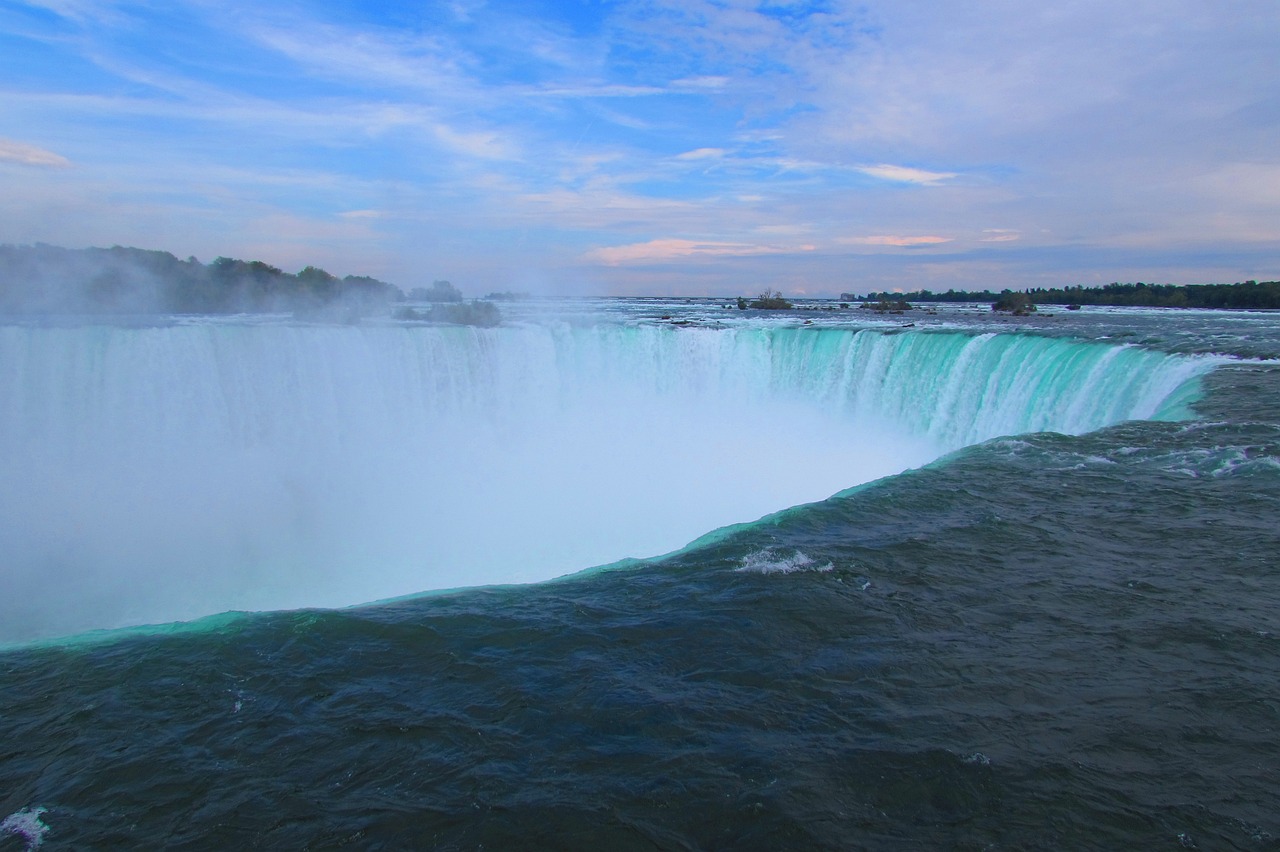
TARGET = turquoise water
x,y
169,472
1039,611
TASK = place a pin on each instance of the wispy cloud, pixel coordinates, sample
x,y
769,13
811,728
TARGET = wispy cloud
x,y
999,235
906,174
487,145
662,250
701,84
30,155
702,154
597,90
362,214
369,55
81,11
895,240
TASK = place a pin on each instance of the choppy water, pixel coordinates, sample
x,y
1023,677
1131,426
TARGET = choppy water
x,y
1040,640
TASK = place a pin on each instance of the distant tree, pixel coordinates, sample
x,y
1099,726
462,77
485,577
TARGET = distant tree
x,y
770,300
1018,304
50,279
889,306
477,313
439,291
308,274
257,267
1242,295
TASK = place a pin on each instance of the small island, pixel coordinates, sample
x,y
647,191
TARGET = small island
x,y
769,300
1018,304
888,306
478,313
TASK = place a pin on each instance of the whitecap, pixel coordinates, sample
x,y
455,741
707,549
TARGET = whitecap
x,y
770,561
27,824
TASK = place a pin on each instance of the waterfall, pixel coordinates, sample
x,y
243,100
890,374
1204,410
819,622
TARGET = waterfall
x,y
163,473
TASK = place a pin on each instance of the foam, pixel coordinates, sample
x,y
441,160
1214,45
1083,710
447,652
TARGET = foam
x,y
771,561
26,824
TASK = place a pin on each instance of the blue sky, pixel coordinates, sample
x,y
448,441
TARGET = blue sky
x,y
654,147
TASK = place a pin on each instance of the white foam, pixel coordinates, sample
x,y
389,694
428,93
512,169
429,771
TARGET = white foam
x,y
27,824
770,561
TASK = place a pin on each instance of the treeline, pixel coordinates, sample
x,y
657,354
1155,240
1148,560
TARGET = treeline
x,y
50,279
924,296
1246,294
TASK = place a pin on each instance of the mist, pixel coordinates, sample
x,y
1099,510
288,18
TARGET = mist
x,y
167,472
161,474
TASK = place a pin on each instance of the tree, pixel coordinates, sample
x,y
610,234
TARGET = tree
x,y
771,300
439,291
1018,304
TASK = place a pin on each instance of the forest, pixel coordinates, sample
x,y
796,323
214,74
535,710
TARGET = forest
x,y
1243,295
52,280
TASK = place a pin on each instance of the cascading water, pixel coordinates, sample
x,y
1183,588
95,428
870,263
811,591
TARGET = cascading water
x,y
164,473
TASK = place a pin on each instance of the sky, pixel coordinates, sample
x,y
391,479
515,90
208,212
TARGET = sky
x,y
654,147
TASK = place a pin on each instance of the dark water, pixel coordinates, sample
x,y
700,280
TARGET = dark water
x,y
1039,642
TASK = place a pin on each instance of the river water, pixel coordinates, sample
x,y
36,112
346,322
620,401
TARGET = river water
x,y
938,580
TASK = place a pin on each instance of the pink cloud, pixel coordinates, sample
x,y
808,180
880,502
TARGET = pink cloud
x,y
906,174
658,251
30,155
892,240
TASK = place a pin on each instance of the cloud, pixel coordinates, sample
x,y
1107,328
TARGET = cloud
x,y
658,251
891,240
81,11
489,146
702,154
29,155
521,136
906,174
791,229
599,91
701,84
374,56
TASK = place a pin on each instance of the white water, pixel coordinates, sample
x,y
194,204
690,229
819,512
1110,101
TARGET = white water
x,y
160,474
